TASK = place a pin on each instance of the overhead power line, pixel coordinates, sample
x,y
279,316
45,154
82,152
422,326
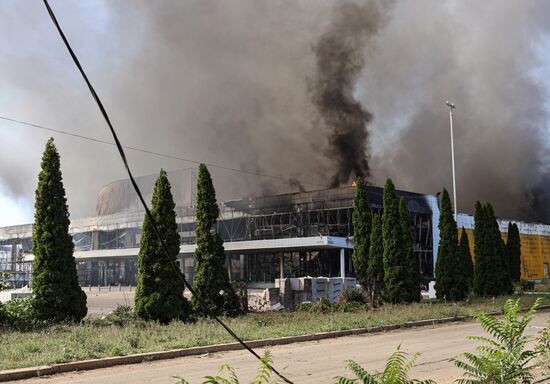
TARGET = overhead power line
x,y
155,153
120,149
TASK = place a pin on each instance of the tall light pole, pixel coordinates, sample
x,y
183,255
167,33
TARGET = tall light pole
x,y
451,108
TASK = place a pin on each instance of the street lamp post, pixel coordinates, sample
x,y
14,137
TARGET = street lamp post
x,y
451,108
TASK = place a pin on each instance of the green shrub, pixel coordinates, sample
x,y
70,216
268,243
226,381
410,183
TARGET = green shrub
x,y
19,315
322,306
4,284
121,316
325,306
503,358
352,295
352,306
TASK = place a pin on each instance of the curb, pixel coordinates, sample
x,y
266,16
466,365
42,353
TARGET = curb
x,y
85,365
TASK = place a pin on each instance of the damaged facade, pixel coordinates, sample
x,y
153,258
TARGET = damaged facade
x,y
282,236
293,235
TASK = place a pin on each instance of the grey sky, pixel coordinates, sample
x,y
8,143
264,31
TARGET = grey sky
x,y
227,82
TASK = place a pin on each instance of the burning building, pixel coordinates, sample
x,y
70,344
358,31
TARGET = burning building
x,y
269,237
285,235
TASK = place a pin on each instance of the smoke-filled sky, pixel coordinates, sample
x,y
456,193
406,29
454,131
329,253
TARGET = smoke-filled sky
x,y
315,91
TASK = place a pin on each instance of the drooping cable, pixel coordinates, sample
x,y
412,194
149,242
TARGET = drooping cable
x,y
138,192
160,154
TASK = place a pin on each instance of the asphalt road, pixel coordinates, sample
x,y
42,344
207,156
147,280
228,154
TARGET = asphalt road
x,y
310,362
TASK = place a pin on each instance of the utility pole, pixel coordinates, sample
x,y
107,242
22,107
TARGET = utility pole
x,y
451,108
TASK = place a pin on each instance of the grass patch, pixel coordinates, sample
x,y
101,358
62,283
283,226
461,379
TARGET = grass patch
x,y
98,338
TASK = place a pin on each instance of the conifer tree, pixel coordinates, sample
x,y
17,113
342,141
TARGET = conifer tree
x,y
159,292
491,277
376,262
395,263
450,272
466,257
211,282
362,221
413,269
497,252
56,294
481,265
513,252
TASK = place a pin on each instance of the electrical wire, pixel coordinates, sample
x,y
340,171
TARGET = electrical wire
x,y
138,192
160,154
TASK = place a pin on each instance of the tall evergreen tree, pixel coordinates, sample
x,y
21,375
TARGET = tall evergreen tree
x,y
513,252
481,265
413,269
395,262
466,256
56,293
362,222
211,283
376,262
497,250
491,277
159,292
450,272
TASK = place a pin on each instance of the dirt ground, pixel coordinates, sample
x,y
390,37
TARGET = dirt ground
x,y
101,302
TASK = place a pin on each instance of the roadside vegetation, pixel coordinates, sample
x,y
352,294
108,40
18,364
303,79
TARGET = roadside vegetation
x,y
503,357
123,333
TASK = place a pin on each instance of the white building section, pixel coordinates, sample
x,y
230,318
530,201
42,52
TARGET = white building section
x,y
273,245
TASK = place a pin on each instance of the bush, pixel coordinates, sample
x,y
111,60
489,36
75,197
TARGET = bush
x,y
322,306
325,306
19,315
504,358
352,295
121,316
352,306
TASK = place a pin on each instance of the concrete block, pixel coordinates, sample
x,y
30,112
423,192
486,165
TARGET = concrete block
x,y
431,290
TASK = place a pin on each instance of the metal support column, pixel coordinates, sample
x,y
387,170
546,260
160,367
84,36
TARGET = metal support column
x,y
342,263
281,266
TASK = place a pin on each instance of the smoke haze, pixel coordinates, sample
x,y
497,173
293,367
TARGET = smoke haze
x,y
318,92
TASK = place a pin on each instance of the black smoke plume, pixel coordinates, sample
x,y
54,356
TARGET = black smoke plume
x,y
340,59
